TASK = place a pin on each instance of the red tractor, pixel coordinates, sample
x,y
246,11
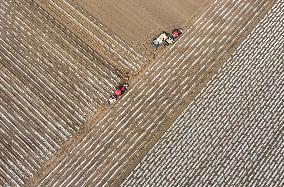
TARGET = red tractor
x,y
174,35
118,92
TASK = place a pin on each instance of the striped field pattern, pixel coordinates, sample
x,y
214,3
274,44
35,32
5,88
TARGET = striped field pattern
x,y
50,85
52,81
91,31
232,134
103,156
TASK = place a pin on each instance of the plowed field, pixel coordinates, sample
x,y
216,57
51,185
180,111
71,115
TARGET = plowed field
x,y
61,59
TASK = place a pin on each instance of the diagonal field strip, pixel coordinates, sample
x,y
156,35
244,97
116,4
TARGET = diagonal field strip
x,y
232,133
106,154
94,34
124,47
51,83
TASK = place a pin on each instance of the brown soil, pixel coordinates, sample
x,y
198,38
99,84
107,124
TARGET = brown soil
x,y
150,141
137,26
138,21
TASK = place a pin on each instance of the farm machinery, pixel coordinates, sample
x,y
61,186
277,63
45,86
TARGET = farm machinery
x,y
159,40
118,92
166,38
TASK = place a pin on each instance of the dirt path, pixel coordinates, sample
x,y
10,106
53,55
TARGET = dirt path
x,y
110,149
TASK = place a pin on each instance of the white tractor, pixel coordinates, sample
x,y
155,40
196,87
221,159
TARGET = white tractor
x,y
159,40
